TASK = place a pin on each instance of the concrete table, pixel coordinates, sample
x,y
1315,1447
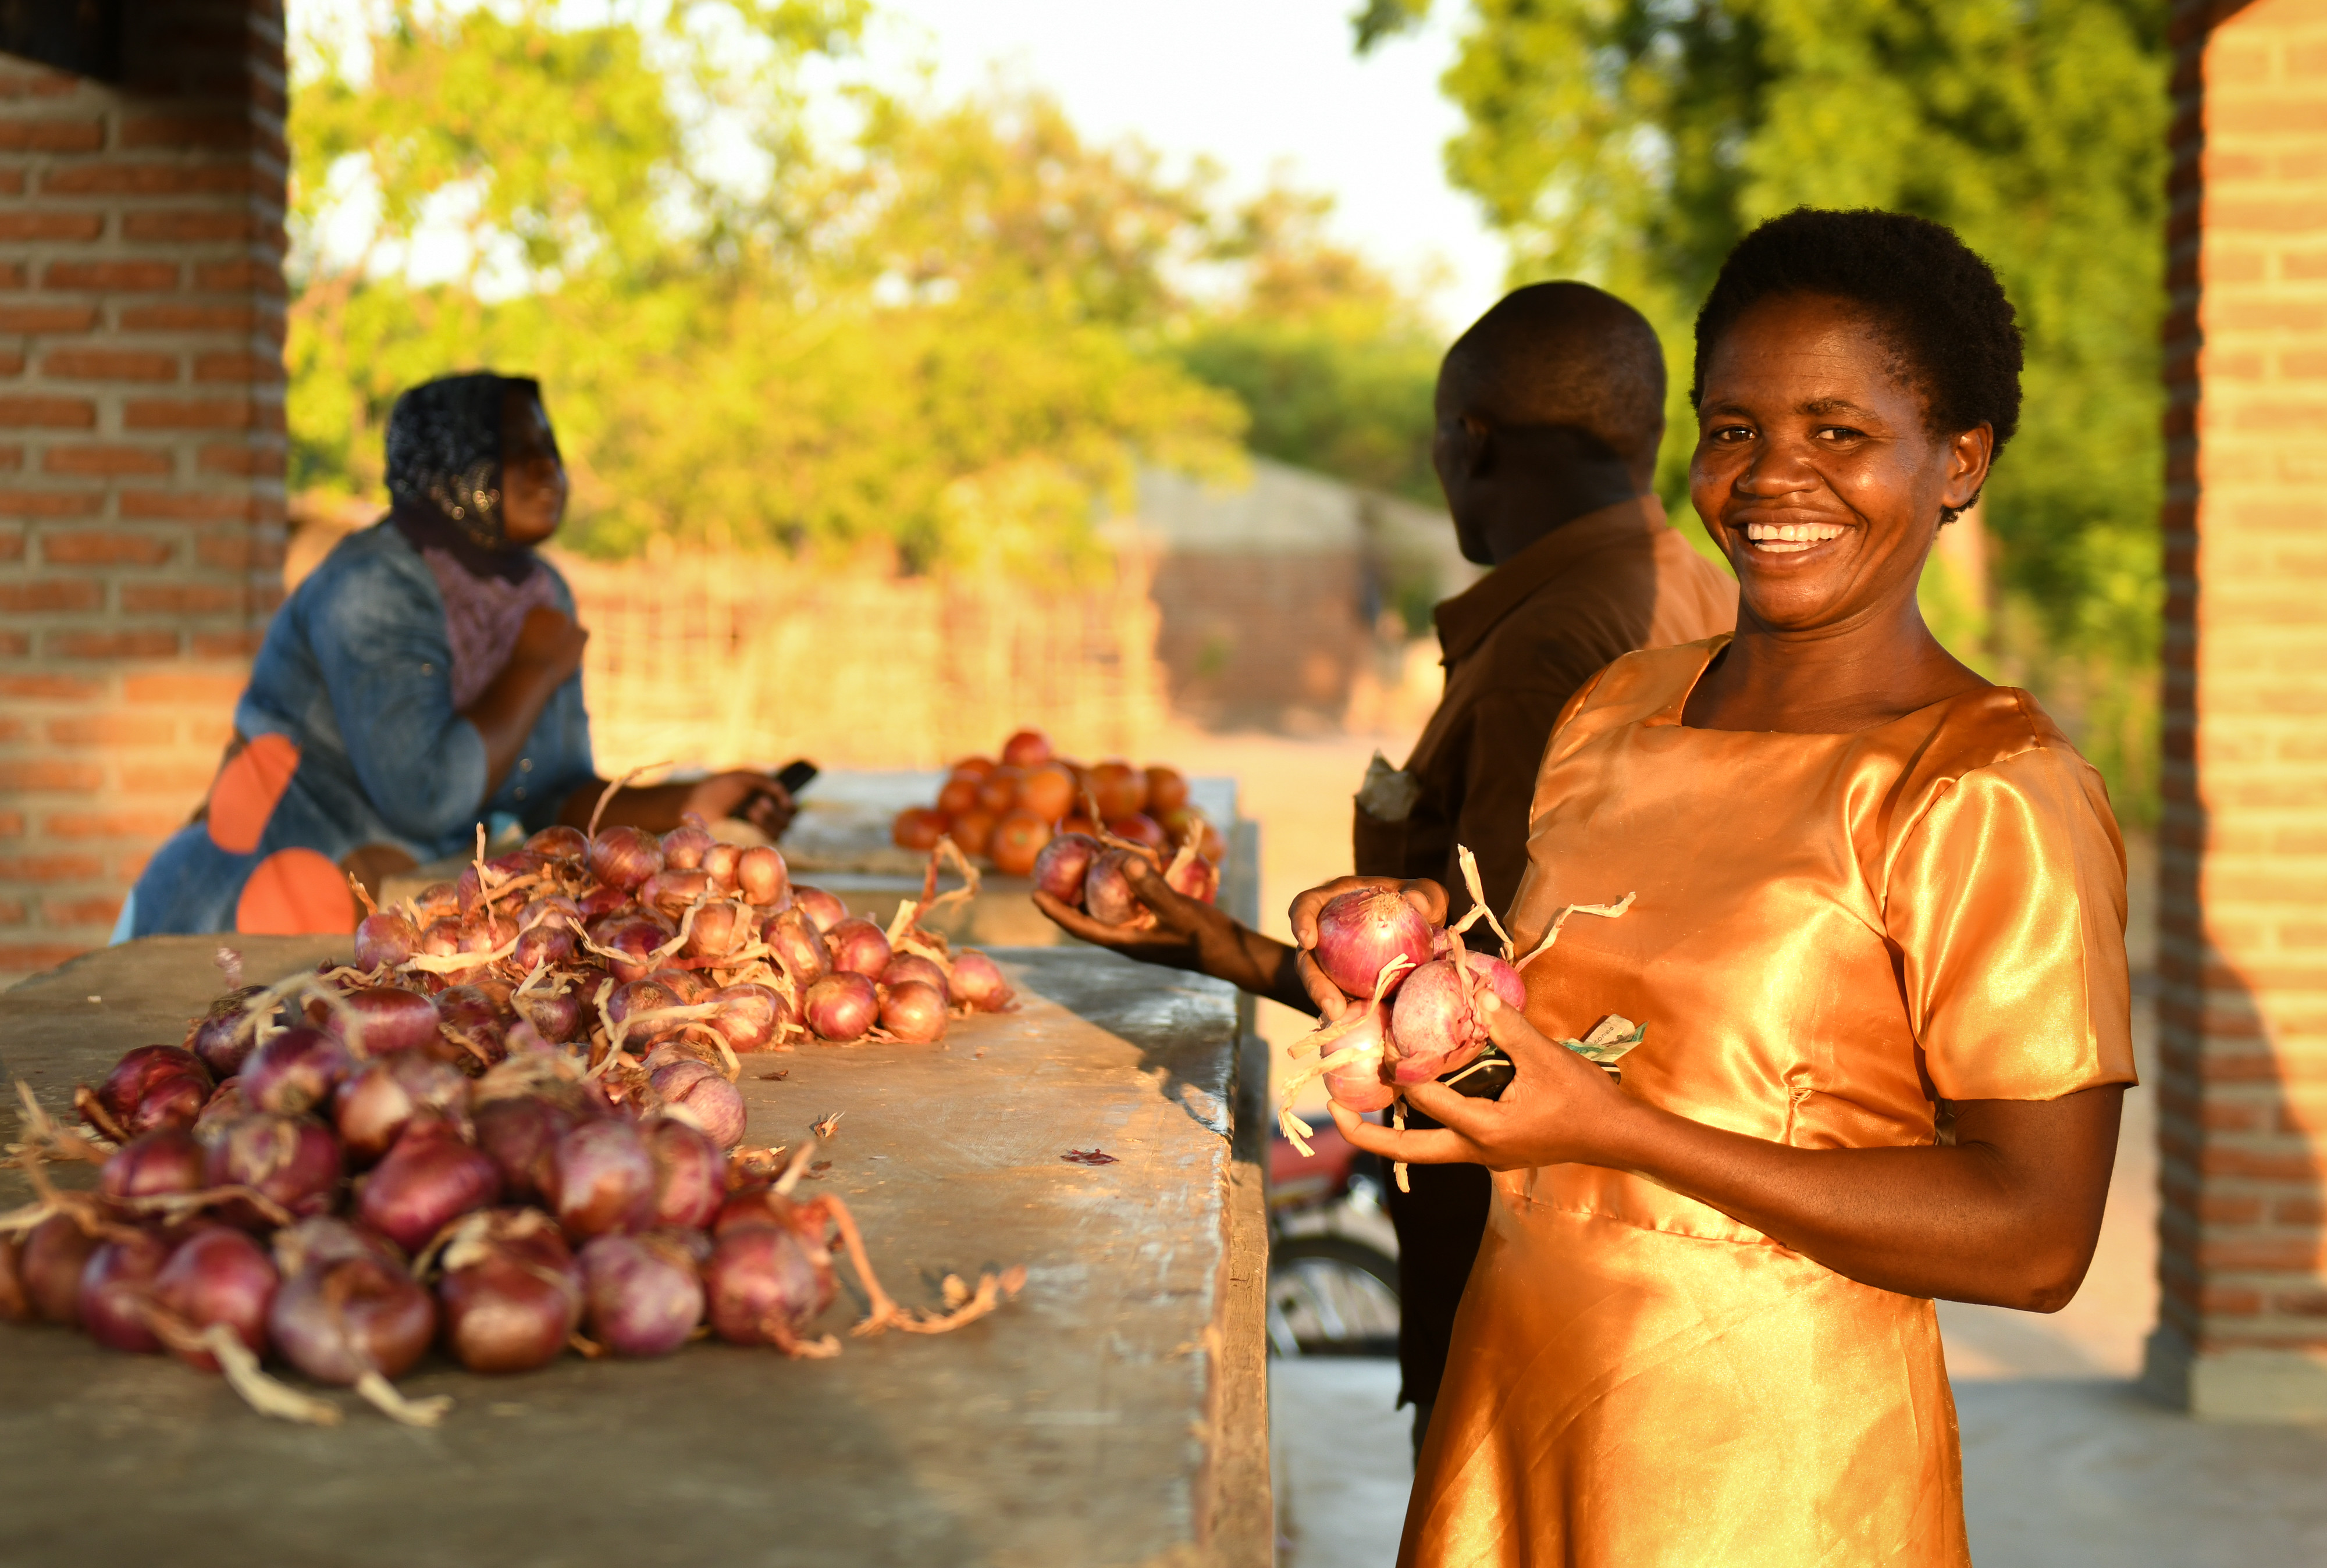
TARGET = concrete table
x,y
1113,1414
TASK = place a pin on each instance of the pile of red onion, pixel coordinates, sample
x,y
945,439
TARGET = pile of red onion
x,y
510,1128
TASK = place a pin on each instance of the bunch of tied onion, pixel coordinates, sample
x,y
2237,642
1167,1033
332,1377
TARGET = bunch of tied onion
x,y
510,1127
1007,811
1416,997
1092,872
350,1199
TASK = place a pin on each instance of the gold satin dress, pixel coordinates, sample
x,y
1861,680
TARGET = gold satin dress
x,y
1833,933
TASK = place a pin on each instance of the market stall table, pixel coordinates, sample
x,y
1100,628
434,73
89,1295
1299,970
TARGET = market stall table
x,y
1113,1414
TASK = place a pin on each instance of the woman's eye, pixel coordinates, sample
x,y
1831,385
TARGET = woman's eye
x,y
1729,434
1836,433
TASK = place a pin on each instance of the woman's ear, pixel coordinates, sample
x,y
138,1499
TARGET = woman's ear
x,y
1969,457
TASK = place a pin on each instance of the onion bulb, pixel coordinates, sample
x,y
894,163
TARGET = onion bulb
x,y
511,1291
1060,870
913,1011
291,1161
604,1180
841,1006
115,1285
154,1085
218,1275
1360,932
643,1293
704,1094
761,876
624,857
857,944
824,909
296,1072
1437,1026
430,1178
153,1164
977,982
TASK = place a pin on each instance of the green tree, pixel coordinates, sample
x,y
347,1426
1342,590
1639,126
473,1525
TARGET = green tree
x,y
1633,141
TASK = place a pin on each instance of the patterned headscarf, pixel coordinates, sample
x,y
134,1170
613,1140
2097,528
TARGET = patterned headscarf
x,y
444,470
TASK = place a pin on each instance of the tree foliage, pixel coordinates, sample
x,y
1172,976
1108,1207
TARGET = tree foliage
x,y
1633,141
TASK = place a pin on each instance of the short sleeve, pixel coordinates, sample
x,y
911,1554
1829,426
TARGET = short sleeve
x,y
2005,899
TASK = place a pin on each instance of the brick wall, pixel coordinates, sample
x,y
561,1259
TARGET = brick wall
x,y
141,447
2243,912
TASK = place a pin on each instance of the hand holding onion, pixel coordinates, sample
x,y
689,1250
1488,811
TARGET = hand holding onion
x,y
1180,932
1350,948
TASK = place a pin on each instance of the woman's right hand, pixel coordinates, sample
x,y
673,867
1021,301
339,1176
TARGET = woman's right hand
x,y
550,644
1424,895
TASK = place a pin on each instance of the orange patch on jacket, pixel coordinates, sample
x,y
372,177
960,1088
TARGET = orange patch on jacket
x,y
244,793
294,891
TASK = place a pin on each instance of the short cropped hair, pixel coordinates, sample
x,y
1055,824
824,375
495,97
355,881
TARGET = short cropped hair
x,y
1563,354
1942,307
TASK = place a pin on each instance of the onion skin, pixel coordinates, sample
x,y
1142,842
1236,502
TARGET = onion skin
x,y
15,1295
824,909
50,1264
907,966
979,983
227,1033
604,1178
636,939
220,1276
470,1012
718,930
719,864
292,1159
841,1006
1361,1084
224,1108
165,1161
116,1283
436,900
671,891
544,943
295,1072
684,983
555,1019
705,1093
761,876
644,1294
560,843
604,900
1107,897
1138,827
1197,878
155,1085
1167,791
520,1136
514,1307
690,1174
386,937
624,857
644,994
393,1020
339,1317
914,1012
751,1017
859,946
764,1285
1359,932
683,848
1434,1026
429,1179
798,946
312,1243
1064,862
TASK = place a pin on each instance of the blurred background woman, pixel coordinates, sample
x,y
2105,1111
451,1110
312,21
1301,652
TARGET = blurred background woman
x,y
424,679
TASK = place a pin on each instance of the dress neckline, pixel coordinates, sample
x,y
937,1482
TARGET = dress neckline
x,y
1669,714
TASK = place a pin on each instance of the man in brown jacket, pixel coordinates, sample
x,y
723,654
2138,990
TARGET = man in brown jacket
x,y
1550,410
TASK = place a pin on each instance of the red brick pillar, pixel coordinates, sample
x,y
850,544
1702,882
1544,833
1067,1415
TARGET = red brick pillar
x,y
2243,909
141,446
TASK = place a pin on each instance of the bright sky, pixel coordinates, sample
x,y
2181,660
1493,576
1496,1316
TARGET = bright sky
x,y
1261,87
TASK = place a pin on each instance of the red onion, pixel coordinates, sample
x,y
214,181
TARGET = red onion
x,y
907,966
296,1072
642,996
313,1242
683,848
750,1017
636,939
761,876
291,1160
553,909
718,930
765,1285
554,1019
604,1180
560,843
487,933
1359,932
511,1291
430,1179
339,1317
858,944
683,984
644,1294
227,1033
436,900
154,1085
373,1107
543,944
54,1254
823,908
166,1160
1437,1027
468,892
914,1012
1361,1084
705,1093
219,1276
1196,878
467,1018
389,1019
690,1173
115,1284
386,937
604,900
441,937
1106,890
672,891
223,1109
624,857
1065,861
520,1136
15,1295
798,946
977,982
720,863
841,1007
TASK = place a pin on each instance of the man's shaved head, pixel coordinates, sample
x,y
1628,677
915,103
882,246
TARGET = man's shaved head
x,y
1562,354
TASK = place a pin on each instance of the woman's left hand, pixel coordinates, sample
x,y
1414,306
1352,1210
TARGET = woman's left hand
x,y
756,797
1556,1110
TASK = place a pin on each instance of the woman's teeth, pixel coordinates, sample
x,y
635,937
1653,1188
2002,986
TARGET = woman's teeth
x,y
1785,538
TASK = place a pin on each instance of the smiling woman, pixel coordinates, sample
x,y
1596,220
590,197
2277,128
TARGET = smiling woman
x,y
1878,949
